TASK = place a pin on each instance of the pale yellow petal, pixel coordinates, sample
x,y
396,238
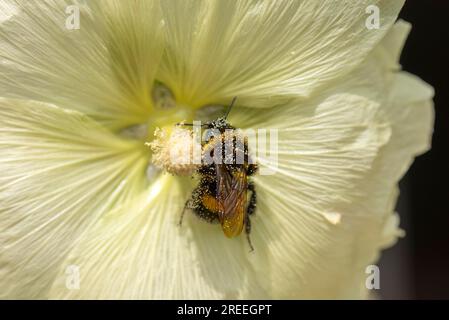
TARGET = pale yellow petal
x,y
392,44
265,51
60,172
139,252
328,211
104,69
325,149
7,10
409,110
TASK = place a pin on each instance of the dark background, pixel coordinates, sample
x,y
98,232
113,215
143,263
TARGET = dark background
x,y
418,266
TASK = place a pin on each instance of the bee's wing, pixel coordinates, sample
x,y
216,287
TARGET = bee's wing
x,y
231,196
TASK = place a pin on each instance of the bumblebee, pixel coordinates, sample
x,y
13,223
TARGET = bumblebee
x,y
222,193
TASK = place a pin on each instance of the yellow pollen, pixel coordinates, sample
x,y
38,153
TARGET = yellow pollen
x,y
174,149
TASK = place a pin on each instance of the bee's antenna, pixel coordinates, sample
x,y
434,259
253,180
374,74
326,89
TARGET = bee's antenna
x,y
230,107
190,124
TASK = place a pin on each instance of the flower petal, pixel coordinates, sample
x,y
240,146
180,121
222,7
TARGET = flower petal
x,y
326,150
60,172
104,69
139,252
409,110
7,10
262,50
392,44
410,113
328,210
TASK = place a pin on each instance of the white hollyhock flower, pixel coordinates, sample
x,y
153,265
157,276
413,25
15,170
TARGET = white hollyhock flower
x,y
74,188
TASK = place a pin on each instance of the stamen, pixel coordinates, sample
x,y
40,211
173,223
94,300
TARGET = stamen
x,y
173,150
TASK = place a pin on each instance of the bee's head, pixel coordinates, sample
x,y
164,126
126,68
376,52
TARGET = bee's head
x,y
220,125
222,122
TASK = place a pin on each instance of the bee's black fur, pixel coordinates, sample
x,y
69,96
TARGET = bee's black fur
x,y
208,182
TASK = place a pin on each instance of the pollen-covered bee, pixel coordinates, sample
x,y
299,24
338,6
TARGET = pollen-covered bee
x,y
222,193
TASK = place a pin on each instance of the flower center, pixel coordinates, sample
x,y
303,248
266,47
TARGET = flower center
x,y
174,148
167,112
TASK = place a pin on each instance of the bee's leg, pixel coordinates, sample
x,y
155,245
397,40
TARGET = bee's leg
x,y
248,231
186,206
253,200
249,211
252,169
